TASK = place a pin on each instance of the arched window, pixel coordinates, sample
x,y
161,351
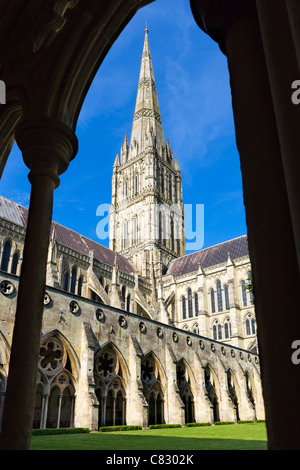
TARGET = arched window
x,y
253,326
135,231
73,280
136,184
123,294
172,236
128,303
125,235
227,328
219,296
244,293
6,256
215,337
196,305
219,331
66,280
226,294
250,325
183,308
164,229
79,287
177,239
190,303
170,186
160,227
14,264
212,300
250,284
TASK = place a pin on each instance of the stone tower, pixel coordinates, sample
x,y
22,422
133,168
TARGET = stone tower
x,y
146,216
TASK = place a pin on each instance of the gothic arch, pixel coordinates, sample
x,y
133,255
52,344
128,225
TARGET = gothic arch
x,y
213,390
251,390
121,358
233,391
74,360
111,379
187,386
56,380
153,380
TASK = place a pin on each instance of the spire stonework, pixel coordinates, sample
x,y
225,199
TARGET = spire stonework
x,y
146,214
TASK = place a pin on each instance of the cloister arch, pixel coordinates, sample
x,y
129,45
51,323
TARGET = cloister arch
x,y
111,381
212,389
153,380
56,383
233,392
187,387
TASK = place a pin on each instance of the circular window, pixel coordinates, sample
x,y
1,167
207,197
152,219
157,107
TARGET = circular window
x,y
100,315
6,287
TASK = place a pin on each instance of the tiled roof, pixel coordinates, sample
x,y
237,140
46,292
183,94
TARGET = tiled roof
x,y
217,254
17,214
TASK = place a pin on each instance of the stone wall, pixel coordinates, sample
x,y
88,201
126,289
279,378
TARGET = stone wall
x,y
85,331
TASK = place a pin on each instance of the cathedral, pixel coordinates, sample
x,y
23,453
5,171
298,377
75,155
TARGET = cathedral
x,y
139,333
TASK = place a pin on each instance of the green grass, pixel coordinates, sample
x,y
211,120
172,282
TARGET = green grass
x,y
227,437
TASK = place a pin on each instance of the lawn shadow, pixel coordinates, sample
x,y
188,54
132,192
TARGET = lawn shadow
x,y
115,442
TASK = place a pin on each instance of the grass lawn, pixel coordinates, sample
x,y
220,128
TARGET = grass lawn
x,y
225,437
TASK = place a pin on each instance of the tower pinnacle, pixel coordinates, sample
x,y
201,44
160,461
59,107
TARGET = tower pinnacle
x,y
147,113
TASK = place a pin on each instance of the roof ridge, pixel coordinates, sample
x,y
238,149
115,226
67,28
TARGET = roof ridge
x,y
212,246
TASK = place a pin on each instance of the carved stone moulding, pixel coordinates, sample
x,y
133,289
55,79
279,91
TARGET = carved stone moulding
x,y
100,315
6,287
122,321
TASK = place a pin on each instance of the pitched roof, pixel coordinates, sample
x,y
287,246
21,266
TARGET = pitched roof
x,y
17,214
217,254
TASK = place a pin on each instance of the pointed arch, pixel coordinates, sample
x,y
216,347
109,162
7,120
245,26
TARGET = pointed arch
x,y
111,378
187,385
233,392
212,387
153,380
69,350
6,254
121,358
58,372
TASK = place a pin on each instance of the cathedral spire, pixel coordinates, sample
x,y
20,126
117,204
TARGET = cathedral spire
x,y
147,113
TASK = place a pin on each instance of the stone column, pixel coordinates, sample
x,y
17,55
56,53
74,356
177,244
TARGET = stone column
x,y
47,147
234,25
293,9
283,70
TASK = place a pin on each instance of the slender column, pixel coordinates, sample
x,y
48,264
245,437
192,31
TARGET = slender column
x,y
47,147
123,410
103,417
234,25
114,409
59,409
283,71
44,411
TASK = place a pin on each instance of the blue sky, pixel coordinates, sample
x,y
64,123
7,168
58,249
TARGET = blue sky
x,y
195,103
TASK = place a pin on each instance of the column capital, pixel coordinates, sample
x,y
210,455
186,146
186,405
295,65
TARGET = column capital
x,y
217,17
47,147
